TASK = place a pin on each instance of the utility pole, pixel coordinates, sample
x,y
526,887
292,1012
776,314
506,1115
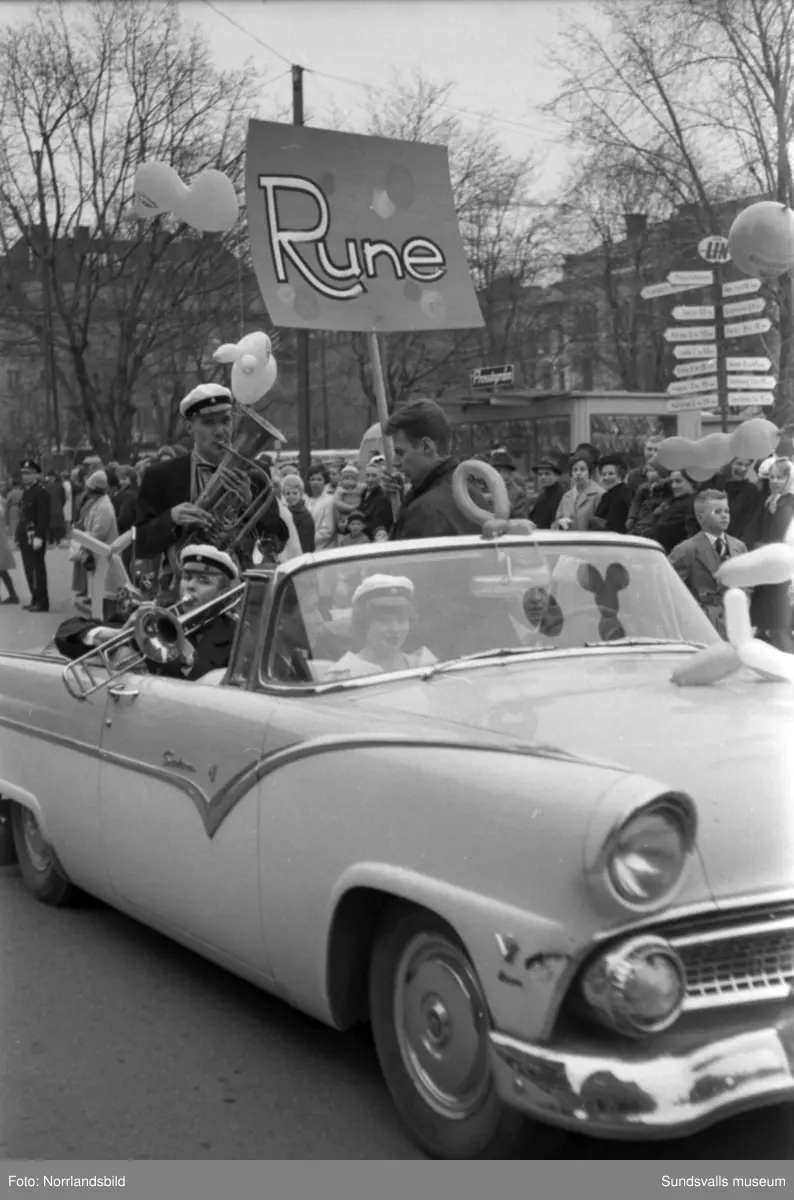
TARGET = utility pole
x,y
47,341
304,403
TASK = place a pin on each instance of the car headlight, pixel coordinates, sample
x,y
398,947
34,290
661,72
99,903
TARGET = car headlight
x,y
648,855
637,987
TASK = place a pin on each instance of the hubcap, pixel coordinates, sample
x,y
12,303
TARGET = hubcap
x,y
441,1025
38,851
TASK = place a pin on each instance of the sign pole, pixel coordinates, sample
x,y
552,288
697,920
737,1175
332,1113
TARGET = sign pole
x,y
382,407
719,323
302,347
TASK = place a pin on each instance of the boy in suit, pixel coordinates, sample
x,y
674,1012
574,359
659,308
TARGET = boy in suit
x,y
698,559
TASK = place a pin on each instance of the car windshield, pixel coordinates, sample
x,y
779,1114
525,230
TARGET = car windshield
x,y
395,611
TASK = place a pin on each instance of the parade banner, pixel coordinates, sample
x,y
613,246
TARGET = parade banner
x,y
355,233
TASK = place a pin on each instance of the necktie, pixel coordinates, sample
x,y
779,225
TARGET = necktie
x,y
721,548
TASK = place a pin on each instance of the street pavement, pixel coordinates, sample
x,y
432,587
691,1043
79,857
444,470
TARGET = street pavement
x,y
20,630
116,1043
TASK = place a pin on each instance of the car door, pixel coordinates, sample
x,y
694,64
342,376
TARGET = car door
x,y
49,751
178,808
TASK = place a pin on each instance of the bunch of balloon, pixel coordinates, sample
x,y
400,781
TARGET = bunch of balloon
x,y
209,204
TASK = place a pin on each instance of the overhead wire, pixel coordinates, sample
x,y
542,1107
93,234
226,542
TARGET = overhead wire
x,y
373,87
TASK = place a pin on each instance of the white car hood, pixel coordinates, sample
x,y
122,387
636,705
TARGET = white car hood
x,y
729,746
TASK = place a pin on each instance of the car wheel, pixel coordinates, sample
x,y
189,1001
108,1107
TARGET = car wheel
x,y
430,1024
37,862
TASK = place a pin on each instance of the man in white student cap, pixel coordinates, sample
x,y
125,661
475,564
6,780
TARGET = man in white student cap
x,y
167,511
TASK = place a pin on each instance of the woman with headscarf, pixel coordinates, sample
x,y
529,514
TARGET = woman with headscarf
x,y
578,504
770,604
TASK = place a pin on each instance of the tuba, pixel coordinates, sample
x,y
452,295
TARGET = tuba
x,y
240,491
155,635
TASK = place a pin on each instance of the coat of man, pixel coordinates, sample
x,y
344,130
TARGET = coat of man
x,y
167,512
32,533
422,437
698,559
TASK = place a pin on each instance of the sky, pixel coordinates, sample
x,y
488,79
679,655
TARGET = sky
x,y
492,52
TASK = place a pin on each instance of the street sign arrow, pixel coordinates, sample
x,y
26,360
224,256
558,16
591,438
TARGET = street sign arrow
x,y
701,350
696,278
741,287
654,290
742,308
686,370
767,382
742,399
686,387
692,312
691,333
689,403
743,328
755,363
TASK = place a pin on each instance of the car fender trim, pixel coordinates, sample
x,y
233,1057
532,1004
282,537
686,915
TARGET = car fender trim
x,y
20,795
213,808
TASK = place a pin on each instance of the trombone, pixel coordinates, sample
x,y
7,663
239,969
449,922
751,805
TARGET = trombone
x,y
155,635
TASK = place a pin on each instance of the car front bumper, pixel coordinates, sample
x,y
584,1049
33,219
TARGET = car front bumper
x,y
647,1094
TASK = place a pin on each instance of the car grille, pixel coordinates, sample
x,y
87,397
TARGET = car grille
x,y
739,964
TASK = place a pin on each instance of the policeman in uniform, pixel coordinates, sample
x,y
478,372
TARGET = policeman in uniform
x,y
32,533
206,574
167,512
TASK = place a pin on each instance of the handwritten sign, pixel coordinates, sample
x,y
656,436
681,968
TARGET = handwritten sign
x,y
355,233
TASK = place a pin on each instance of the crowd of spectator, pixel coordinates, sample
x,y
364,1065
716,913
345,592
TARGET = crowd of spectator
x,y
338,504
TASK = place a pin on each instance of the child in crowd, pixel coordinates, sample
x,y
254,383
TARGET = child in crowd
x,y
347,497
356,530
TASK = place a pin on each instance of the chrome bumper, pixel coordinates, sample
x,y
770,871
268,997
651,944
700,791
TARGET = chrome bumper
x,y
655,1096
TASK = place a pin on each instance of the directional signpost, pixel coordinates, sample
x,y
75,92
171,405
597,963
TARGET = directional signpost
x,y
743,308
708,379
741,287
692,403
700,350
687,370
745,328
757,363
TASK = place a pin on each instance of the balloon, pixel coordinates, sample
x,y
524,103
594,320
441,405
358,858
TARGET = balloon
x,y
371,443
702,457
737,618
755,438
209,204
761,239
254,367
767,564
707,666
495,527
767,661
492,480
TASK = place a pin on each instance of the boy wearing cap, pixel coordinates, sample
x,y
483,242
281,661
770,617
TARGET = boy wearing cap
x,y
31,535
167,508
356,530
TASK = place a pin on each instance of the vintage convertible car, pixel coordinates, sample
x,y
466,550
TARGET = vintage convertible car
x,y
448,788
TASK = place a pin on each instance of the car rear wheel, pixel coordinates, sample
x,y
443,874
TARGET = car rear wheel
x,y
430,1024
37,862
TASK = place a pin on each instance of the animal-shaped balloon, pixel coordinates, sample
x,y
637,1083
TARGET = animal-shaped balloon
x,y
703,457
209,204
766,565
254,367
761,239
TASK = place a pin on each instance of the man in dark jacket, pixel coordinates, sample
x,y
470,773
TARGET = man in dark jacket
x,y
544,509
31,535
636,477
421,433
612,509
166,510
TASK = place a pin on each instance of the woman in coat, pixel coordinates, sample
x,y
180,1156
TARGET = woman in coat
x,y
98,518
675,520
579,503
770,604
